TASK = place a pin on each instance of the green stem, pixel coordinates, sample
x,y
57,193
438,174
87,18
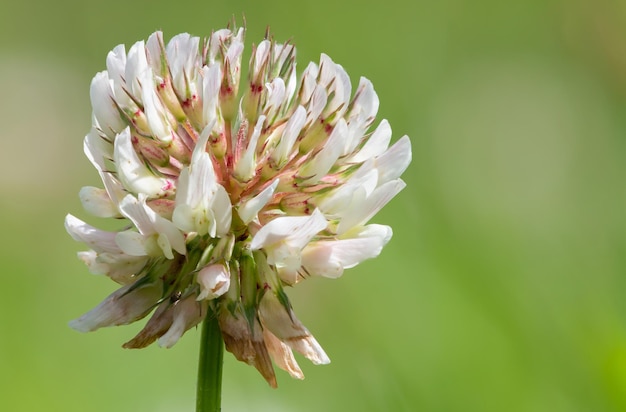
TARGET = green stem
x,y
209,392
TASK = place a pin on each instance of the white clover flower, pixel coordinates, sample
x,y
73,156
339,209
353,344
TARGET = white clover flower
x,y
228,197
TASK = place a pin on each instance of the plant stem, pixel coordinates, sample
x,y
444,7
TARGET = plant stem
x,y
209,391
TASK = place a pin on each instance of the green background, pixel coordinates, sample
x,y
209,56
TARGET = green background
x,y
504,286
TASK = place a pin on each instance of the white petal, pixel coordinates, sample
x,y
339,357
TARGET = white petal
x,y
120,308
148,222
98,240
104,108
362,112
394,161
133,173
132,243
335,78
318,101
330,258
360,185
97,202
212,76
376,144
293,230
320,164
290,134
154,109
222,211
136,64
246,165
134,210
360,213
214,281
248,211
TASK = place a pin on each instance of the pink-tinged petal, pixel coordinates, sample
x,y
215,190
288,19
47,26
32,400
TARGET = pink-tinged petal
x,y
98,240
329,258
248,210
393,162
97,202
290,330
214,281
132,172
187,314
122,307
282,355
359,213
296,231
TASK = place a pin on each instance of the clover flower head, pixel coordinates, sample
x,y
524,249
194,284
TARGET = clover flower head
x,y
230,190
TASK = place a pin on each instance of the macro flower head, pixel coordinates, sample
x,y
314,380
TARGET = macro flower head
x,y
229,191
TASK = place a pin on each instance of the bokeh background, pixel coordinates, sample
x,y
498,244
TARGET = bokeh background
x,y
504,286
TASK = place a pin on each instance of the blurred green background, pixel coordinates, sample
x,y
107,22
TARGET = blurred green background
x,y
504,286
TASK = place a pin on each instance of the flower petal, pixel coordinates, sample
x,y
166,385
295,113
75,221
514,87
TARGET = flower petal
x,y
295,231
329,258
132,172
288,329
248,210
126,305
214,281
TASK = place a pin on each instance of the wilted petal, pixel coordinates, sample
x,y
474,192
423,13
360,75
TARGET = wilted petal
x,y
156,327
124,306
282,355
247,345
120,267
187,313
288,329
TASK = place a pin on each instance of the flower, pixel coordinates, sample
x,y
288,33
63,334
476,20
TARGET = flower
x,y
226,198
